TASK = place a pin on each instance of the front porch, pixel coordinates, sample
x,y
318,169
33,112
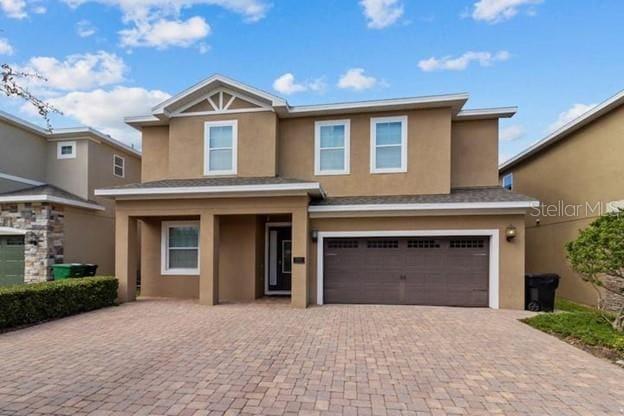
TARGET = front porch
x,y
217,250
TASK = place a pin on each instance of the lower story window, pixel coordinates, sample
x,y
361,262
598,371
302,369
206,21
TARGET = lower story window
x,y
180,248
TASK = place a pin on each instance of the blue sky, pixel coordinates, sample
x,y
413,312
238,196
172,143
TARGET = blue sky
x,y
106,59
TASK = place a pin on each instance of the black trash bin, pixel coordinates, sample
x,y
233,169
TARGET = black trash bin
x,y
539,291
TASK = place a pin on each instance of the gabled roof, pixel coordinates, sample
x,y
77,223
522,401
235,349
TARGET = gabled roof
x,y
66,132
213,82
171,107
563,132
48,193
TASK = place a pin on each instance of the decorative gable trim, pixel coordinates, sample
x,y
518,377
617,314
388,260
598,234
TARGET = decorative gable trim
x,y
220,101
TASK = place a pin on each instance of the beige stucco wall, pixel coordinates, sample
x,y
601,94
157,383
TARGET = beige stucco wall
x,y
241,251
89,238
585,167
241,237
256,144
101,175
511,256
155,152
71,175
474,153
428,159
23,153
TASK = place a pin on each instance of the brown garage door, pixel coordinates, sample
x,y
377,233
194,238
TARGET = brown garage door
x,y
413,271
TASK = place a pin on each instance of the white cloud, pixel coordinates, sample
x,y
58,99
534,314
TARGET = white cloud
x,y
5,47
40,9
381,13
355,79
494,11
286,84
15,9
567,116
511,133
162,34
504,157
462,62
84,28
148,18
106,109
77,72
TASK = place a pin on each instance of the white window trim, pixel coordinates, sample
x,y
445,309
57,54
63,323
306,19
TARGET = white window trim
x,y
164,249
60,145
373,144
347,147
493,268
509,175
123,166
207,126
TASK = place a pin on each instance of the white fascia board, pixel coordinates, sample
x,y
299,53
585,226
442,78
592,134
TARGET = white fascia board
x,y
20,179
52,199
423,207
275,100
567,129
18,122
208,190
92,133
11,231
487,113
448,99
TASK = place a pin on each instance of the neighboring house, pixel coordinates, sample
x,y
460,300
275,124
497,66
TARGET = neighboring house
x,y
577,172
392,201
48,213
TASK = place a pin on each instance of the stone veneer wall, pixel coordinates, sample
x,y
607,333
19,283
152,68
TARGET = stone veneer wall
x,y
611,300
43,224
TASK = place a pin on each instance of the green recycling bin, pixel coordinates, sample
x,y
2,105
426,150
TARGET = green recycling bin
x,y
63,271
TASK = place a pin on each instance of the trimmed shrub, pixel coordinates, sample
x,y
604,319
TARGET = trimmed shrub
x,y
38,302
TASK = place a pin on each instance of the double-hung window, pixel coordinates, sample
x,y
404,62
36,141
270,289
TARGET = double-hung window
x,y
119,166
180,248
331,147
388,144
220,147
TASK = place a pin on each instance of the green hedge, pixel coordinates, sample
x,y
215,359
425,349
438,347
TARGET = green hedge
x,y
38,302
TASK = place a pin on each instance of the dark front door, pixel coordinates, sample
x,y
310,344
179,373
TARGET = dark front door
x,y
443,271
11,260
280,259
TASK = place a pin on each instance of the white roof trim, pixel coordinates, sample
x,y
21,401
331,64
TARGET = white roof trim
x,y
567,129
61,132
20,179
487,113
226,189
366,105
423,207
52,199
275,100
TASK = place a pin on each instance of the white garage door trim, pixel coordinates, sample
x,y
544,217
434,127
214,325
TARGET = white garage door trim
x,y
494,252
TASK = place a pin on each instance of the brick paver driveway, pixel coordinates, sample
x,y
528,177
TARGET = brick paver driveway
x,y
181,358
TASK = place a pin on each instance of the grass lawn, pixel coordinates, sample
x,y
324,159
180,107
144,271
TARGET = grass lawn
x,y
581,326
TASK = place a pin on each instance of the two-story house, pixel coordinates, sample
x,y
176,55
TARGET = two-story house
x,y
576,172
391,202
48,213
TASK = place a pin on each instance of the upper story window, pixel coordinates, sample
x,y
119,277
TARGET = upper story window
x,y
508,181
220,147
331,147
180,248
119,166
66,150
389,144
